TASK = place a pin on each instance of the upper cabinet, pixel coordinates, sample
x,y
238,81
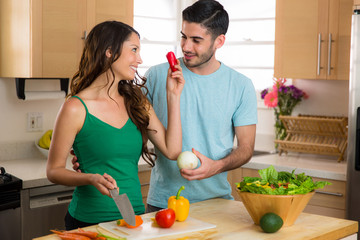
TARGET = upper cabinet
x,y
356,4
312,39
45,38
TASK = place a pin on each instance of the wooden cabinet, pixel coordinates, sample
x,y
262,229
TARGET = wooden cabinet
x,y
144,177
329,201
312,39
235,176
356,4
45,38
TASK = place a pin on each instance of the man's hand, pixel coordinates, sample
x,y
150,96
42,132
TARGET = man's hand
x,y
207,169
76,165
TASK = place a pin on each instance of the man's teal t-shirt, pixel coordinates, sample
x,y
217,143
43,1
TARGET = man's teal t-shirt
x,y
211,106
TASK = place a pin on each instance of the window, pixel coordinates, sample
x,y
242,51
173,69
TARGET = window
x,y
249,46
158,22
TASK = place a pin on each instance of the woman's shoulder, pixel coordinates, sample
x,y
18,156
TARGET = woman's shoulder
x,y
74,105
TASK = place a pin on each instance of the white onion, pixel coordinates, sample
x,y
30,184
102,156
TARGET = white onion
x,y
187,160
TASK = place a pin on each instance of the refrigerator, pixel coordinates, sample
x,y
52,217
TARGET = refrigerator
x,y
353,149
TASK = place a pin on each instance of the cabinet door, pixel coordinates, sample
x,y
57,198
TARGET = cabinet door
x,y
340,28
45,38
312,39
356,4
296,38
14,38
57,52
65,24
104,10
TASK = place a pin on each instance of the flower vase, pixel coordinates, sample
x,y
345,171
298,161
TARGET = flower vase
x,y
280,130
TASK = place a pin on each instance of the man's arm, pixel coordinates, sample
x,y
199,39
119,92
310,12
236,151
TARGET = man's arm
x,y
242,154
245,147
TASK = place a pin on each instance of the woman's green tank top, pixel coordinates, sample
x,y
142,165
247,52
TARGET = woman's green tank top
x,y
102,148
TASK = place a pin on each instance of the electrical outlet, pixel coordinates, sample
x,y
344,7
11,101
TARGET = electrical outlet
x,y
34,121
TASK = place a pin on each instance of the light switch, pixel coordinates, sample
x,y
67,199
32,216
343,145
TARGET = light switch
x,y
34,121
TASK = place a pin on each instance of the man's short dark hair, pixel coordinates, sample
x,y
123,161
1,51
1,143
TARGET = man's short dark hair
x,y
210,14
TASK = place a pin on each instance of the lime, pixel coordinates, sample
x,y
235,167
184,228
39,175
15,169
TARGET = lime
x,y
271,222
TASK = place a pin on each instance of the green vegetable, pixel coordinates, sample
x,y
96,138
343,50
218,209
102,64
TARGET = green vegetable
x,y
271,222
279,183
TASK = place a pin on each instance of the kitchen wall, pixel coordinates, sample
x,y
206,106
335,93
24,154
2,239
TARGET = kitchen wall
x,y
326,97
15,140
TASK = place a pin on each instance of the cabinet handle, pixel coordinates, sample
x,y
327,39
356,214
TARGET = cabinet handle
x,y
319,54
85,35
330,193
329,55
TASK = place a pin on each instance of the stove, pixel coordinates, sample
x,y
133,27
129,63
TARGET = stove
x,y
10,217
10,187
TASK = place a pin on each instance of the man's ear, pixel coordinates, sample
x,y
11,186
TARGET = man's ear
x,y
108,53
219,41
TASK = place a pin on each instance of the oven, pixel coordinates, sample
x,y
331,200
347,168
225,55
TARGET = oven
x,y
10,216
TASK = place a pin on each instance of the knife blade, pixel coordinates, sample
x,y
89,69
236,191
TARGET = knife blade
x,y
124,205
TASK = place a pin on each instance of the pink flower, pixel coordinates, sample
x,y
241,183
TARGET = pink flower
x,y
271,99
279,82
305,95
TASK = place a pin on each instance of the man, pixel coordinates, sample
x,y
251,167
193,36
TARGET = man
x,y
217,102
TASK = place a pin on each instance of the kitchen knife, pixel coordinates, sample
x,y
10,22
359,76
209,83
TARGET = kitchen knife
x,y
124,205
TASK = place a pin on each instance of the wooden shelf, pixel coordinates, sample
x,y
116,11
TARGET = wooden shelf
x,y
315,134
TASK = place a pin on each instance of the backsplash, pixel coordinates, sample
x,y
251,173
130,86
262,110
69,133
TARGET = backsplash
x,y
19,150
326,97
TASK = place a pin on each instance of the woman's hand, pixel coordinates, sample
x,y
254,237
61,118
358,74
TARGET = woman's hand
x,y
103,183
175,80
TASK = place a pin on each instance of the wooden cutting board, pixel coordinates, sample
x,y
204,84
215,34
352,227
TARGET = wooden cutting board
x,y
149,229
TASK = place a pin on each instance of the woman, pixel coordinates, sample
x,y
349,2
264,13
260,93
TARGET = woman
x,y
108,121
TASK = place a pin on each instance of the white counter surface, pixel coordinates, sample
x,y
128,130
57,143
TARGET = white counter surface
x,y
33,171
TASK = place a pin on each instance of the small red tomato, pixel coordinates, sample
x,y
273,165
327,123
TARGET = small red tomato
x,y
165,218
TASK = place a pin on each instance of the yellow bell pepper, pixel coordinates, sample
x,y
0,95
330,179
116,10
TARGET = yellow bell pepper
x,y
180,205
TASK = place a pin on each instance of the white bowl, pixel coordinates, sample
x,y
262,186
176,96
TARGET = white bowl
x,y
44,151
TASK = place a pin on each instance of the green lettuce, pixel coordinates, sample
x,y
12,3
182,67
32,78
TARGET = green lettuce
x,y
280,183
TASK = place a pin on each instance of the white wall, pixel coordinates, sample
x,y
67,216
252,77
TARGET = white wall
x,y
13,111
325,98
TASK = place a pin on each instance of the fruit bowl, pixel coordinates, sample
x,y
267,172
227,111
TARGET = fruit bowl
x,y
288,207
44,151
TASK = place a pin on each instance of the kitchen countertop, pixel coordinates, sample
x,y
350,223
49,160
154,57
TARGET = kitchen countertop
x,y
321,166
33,171
233,222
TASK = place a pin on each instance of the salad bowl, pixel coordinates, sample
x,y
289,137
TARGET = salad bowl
x,y
283,193
288,207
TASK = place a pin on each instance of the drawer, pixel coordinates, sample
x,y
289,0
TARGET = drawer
x,y
250,173
332,196
144,177
145,190
325,211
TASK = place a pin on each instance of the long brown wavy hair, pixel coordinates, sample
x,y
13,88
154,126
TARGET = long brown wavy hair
x,y
111,35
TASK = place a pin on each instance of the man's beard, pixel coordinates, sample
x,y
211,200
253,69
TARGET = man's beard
x,y
202,59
